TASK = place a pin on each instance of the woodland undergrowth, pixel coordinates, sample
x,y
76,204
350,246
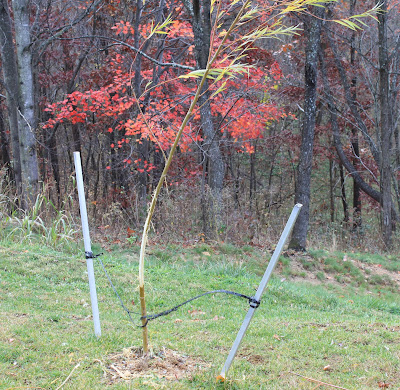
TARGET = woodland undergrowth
x,y
178,219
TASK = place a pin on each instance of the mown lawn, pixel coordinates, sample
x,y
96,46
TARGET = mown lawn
x,y
340,334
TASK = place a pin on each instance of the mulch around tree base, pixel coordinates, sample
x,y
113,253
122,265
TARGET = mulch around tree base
x,y
163,364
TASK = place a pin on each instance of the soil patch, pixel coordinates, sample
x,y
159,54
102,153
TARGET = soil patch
x,y
165,363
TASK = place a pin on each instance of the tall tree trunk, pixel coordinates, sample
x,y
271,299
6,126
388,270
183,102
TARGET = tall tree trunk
x,y
211,149
215,169
397,150
10,75
143,145
26,105
313,43
385,127
357,221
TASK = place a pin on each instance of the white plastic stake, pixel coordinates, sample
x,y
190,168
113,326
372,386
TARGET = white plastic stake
x,y
88,246
261,288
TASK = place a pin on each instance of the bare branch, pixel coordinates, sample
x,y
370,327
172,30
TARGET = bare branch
x,y
122,43
65,28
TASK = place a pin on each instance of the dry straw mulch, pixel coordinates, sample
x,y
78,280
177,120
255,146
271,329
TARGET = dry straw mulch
x,y
165,363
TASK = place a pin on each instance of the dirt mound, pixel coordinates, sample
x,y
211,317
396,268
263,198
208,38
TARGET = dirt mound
x,y
165,363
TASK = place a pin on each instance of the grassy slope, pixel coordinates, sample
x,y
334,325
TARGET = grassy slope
x,y
46,327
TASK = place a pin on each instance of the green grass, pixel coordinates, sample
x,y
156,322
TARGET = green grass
x,y
390,262
300,328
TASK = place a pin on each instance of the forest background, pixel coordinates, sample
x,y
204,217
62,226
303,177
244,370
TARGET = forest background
x,y
313,118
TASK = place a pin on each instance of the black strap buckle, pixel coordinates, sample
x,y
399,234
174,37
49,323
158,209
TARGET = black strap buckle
x,y
90,255
254,303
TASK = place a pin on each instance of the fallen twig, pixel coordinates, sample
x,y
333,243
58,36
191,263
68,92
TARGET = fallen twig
x,y
69,376
320,383
102,367
119,372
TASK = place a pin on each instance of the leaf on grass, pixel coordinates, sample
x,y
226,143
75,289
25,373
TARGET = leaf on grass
x,y
216,318
195,312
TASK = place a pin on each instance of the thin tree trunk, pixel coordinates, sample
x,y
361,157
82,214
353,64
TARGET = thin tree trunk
x,y
253,179
143,146
396,176
332,190
357,221
313,43
203,199
51,143
235,178
385,127
344,196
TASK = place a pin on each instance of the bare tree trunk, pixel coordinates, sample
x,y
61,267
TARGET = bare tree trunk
x,y
332,189
253,180
10,75
216,168
357,221
26,104
50,141
344,196
385,127
313,43
234,170
143,146
394,92
397,151
211,149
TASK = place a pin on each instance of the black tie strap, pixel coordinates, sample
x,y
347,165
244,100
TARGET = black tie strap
x,y
254,303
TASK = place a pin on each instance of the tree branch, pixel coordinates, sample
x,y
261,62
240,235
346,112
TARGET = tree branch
x,y
65,28
371,192
350,101
122,43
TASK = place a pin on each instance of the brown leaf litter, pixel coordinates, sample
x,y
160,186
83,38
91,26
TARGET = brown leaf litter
x,y
165,363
